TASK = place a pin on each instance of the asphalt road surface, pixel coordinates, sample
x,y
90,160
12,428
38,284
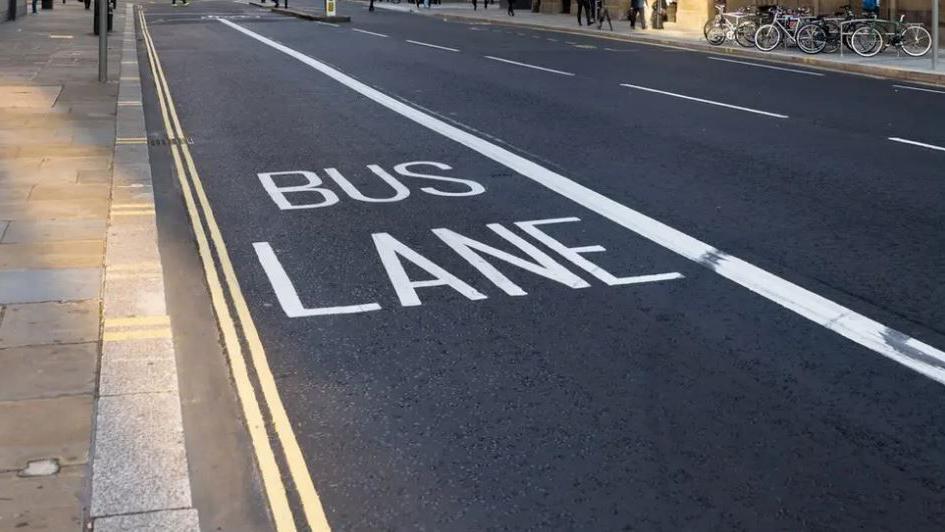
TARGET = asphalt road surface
x,y
494,273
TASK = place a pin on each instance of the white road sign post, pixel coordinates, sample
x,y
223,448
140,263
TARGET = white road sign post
x,y
329,8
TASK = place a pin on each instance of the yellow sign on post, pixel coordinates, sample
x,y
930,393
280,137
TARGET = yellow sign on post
x,y
329,8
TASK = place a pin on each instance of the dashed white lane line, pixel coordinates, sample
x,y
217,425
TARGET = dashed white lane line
x,y
323,23
369,32
917,143
888,342
918,89
770,67
702,100
437,46
526,65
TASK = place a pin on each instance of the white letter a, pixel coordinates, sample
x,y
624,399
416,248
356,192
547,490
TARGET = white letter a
x,y
391,250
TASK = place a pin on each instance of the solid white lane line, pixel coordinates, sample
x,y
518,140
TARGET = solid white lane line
x,y
526,65
369,32
701,100
437,46
762,65
873,335
918,89
917,143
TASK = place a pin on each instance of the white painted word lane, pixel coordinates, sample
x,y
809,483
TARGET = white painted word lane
x,y
304,190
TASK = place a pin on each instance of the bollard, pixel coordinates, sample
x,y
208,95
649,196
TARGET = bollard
x,y
109,16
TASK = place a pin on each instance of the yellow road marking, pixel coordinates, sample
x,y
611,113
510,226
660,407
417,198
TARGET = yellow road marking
x,y
142,334
268,467
137,320
298,469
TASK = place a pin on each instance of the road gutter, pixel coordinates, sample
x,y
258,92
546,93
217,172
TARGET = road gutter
x,y
140,474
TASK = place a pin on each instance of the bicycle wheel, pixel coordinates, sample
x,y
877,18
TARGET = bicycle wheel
x,y
833,36
811,38
767,38
915,41
866,41
714,31
745,33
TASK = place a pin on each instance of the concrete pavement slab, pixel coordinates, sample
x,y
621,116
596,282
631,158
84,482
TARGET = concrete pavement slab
x,y
177,520
140,363
49,323
14,193
24,231
32,96
52,191
66,254
36,286
44,371
42,503
132,174
35,429
54,209
92,177
139,465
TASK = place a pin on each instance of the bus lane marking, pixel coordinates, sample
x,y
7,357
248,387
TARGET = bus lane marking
x,y
394,254
890,343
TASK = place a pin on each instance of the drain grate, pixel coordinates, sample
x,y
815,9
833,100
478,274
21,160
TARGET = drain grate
x,y
164,141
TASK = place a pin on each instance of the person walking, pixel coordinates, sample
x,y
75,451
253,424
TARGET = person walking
x,y
511,7
603,13
637,12
370,6
584,5
474,5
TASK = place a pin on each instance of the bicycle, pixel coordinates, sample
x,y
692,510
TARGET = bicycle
x,y
739,26
911,38
819,35
784,28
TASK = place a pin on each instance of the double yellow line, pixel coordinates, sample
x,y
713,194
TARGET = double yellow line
x,y
272,476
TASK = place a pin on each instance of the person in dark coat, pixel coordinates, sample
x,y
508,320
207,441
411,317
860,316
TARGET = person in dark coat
x,y
637,12
586,6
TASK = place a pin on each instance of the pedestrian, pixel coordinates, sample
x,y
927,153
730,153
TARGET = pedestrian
x,y
485,4
34,7
656,13
511,7
584,5
636,12
603,13
371,6
474,5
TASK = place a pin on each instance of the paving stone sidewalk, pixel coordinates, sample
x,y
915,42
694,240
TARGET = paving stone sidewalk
x,y
60,167
57,132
